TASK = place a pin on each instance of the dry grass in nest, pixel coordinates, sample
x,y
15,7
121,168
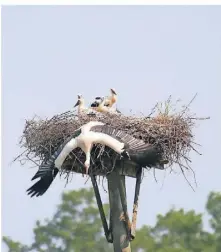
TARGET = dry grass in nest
x,y
172,130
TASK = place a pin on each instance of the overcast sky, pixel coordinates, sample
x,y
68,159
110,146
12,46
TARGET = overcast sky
x,y
50,54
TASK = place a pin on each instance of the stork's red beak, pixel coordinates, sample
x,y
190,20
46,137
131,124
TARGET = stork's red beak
x,y
78,103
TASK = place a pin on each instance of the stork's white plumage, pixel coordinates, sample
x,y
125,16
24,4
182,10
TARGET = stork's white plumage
x,y
96,103
144,154
49,169
110,100
103,108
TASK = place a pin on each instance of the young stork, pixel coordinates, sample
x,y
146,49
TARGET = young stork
x,y
103,108
81,106
96,103
109,102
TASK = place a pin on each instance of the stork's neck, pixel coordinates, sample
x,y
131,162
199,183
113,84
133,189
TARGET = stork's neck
x,y
81,106
113,97
71,145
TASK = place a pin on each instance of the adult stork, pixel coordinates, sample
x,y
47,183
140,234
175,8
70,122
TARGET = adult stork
x,y
85,137
49,169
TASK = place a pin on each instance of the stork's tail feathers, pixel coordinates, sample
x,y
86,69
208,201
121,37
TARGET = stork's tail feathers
x,y
40,187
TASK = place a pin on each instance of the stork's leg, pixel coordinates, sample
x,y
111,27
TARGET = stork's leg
x,y
135,206
107,232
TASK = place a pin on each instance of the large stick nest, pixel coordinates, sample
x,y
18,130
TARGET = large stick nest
x,y
164,126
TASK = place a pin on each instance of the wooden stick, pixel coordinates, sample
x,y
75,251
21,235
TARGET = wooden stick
x,y
135,206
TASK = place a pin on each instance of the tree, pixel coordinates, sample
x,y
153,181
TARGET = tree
x,y
213,207
176,231
76,226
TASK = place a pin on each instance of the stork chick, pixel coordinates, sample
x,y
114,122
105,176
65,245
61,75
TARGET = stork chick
x,y
81,106
96,103
111,99
102,108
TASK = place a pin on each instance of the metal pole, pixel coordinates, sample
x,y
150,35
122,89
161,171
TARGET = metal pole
x,y
121,240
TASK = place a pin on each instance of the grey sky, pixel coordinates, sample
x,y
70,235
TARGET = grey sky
x,y
49,54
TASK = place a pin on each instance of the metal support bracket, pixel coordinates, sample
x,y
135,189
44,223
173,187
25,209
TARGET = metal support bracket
x,y
117,183
107,231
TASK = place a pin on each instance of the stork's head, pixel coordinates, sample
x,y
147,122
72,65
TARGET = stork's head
x,y
98,100
113,91
87,165
79,101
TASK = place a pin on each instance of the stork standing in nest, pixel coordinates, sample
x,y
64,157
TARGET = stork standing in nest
x,y
85,137
103,108
96,103
81,106
109,101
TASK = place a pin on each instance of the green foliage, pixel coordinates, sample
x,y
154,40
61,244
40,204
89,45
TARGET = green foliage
x,y
76,226
14,246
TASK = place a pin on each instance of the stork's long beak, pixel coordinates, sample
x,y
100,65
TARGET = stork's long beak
x,y
113,91
78,103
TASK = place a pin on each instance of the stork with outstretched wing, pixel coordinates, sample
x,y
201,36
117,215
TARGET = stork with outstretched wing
x,y
125,145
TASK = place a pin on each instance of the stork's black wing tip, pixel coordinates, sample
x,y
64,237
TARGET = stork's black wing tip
x,y
40,187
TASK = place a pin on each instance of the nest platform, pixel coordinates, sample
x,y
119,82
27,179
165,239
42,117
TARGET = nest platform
x,y
171,130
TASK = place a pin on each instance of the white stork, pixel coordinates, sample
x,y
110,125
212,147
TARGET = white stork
x,y
109,101
85,137
81,106
96,103
49,169
103,108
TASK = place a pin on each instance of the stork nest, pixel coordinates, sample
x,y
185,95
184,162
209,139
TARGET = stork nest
x,y
164,126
